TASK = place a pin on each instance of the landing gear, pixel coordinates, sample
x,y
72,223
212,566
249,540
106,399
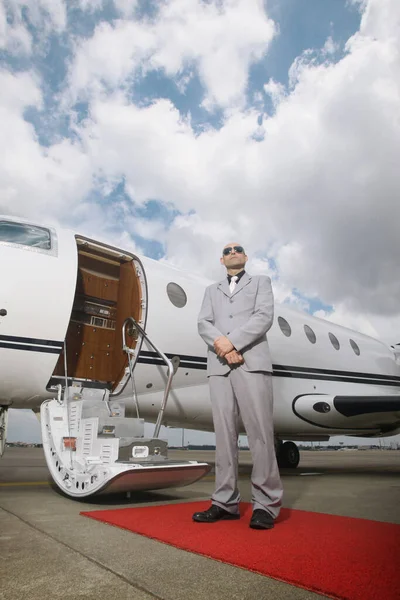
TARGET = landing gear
x,y
3,428
287,455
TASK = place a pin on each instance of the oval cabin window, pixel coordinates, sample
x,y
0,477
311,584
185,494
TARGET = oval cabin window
x,y
334,341
285,327
177,295
310,334
356,349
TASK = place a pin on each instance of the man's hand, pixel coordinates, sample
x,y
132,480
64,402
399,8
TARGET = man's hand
x,y
222,345
234,358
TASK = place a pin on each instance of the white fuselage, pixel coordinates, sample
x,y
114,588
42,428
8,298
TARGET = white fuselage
x,y
37,293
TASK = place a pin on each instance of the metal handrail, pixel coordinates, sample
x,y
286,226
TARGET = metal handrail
x,y
161,354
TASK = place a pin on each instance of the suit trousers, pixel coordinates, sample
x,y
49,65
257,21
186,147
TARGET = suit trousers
x,y
248,394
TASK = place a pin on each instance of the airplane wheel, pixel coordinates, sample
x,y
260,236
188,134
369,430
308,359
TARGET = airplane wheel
x,y
288,455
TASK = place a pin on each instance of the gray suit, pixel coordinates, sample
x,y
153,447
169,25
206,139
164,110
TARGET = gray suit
x,y
244,317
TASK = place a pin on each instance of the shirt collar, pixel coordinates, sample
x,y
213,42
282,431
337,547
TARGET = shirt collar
x,y
238,275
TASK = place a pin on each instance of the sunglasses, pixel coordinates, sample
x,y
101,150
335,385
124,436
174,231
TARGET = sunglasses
x,y
238,249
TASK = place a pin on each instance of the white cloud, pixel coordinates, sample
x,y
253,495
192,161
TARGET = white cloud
x,y
126,7
90,6
50,13
103,223
224,39
375,325
36,181
283,292
318,193
220,39
276,91
195,244
380,20
342,316
17,16
14,38
108,58
46,16
20,91
330,46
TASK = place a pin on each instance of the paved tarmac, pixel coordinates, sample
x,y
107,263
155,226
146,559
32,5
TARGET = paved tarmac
x,y
49,551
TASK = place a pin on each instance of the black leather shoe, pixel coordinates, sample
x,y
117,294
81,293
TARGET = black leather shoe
x,y
261,519
213,514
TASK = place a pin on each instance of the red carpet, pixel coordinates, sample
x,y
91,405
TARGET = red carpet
x,y
340,557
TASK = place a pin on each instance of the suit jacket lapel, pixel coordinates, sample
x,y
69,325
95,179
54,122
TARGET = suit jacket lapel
x,y
243,281
224,287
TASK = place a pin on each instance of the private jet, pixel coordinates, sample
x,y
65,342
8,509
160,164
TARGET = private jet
x,y
96,340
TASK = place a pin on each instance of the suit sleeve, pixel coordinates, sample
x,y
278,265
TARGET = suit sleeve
x,y
205,321
261,319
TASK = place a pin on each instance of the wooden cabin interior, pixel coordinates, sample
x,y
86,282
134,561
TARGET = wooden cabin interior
x,y
108,291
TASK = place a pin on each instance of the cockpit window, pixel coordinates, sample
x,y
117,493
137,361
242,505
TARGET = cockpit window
x,y
25,235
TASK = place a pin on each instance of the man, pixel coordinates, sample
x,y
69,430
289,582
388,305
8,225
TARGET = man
x,y
234,318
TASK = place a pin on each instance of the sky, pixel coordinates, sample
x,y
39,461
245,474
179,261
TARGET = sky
x,y
169,127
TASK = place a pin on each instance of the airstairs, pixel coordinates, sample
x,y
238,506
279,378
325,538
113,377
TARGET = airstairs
x,y
92,446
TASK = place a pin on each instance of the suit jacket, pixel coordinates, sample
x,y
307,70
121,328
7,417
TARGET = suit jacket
x,y
244,317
